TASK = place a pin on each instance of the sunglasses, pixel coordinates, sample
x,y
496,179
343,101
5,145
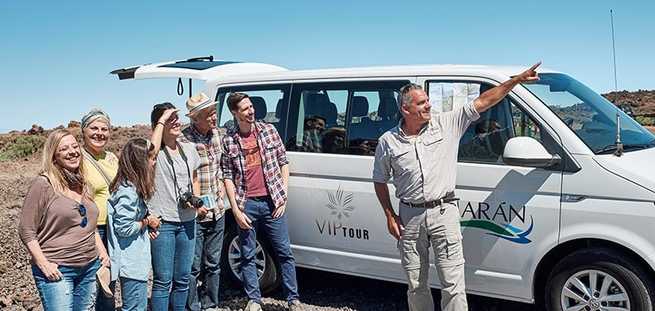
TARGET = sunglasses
x,y
82,210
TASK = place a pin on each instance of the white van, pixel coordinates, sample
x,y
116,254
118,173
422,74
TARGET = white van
x,y
557,186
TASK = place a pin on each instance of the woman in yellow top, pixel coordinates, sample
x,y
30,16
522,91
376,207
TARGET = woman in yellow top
x,y
101,167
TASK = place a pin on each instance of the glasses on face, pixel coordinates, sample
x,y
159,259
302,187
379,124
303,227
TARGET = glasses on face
x,y
82,210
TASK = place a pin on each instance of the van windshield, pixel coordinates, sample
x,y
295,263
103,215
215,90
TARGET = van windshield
x,y
589,115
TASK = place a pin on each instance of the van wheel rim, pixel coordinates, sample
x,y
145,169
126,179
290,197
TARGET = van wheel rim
x,y
594,290
234,259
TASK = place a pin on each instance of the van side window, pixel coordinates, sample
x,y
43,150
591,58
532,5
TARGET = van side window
x,y
320,120
372,113
484,140
341,117
269,102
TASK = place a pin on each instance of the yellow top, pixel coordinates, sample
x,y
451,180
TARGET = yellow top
x,y
100,190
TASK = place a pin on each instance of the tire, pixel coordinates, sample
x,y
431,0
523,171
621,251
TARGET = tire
x,y
614,273
269,280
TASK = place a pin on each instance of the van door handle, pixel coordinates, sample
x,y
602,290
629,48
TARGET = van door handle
x,y
572,198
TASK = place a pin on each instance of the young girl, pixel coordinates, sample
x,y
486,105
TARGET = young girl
x,y
128,222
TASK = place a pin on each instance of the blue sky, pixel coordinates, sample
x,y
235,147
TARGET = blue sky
x,y
56,56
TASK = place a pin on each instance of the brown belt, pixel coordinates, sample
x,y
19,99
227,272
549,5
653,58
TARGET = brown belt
x,y
449,197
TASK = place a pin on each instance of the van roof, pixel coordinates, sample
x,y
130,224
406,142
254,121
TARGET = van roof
x,y
500,73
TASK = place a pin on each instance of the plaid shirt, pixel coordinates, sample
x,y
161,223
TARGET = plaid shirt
x,y
273,154
209,172
311,141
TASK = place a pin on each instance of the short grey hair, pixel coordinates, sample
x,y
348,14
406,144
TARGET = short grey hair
x,y
404,97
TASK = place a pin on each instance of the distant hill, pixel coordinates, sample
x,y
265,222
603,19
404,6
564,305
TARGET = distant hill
x,y
641,101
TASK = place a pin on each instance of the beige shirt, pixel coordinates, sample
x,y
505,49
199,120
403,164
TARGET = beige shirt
x,y
423,168
53,220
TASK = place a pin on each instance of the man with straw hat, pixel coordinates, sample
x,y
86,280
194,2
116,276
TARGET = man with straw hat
x,y
203,134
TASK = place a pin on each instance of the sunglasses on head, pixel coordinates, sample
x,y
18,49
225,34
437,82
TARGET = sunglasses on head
x,y
82,210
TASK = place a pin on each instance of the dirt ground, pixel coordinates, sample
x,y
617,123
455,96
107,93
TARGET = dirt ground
x,y
320,290
16,285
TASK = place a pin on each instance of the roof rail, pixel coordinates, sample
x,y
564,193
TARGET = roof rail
x,y
202,58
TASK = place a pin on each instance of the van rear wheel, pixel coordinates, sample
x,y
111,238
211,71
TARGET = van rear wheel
x,y
268,270
598,279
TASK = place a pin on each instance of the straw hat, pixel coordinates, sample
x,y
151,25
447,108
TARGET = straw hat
x,y
197,103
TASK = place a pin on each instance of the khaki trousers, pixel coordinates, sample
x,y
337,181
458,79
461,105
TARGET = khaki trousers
x,y
437,228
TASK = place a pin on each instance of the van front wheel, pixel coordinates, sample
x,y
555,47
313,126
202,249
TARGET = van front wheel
x,y
598,279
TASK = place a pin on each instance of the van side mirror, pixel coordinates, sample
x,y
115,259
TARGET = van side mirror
x,y
527,151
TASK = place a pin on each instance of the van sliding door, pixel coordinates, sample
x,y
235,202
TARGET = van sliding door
x,y
335,220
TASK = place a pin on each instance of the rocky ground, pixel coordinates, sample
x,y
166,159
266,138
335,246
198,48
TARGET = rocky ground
x,y
16,286
320,290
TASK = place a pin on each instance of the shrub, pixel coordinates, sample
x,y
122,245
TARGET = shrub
x,y
22,146
643,120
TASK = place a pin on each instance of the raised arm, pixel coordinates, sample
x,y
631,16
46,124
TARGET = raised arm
x,y
491,97
158,132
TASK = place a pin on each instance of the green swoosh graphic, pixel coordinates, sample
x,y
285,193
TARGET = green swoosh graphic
x,y
486,225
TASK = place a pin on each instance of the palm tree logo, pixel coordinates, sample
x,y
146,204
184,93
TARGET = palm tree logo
x,y
340,203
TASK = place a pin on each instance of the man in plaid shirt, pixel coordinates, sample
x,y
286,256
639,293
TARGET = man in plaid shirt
x,y
202,133
255,171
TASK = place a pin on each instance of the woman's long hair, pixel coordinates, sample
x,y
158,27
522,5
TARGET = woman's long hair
x,y
60,178
134,166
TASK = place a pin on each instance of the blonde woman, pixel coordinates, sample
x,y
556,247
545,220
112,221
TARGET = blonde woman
x,y
101,167
58,227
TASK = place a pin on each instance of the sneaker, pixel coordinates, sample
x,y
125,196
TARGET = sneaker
x,y
253,306
295,305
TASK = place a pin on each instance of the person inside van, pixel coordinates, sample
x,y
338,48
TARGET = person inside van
x,y
420,157
312,134
101,166
176,203
58,227
487,143
334,140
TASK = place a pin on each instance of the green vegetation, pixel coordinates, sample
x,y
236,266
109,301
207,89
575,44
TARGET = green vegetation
x,y
22,146
647,121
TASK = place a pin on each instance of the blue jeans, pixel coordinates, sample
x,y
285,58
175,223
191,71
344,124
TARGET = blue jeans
x,y
76,290
259,211
207,259
172,256
104,303
134,294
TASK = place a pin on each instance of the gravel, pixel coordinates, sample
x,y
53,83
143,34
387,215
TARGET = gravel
x,y
319,290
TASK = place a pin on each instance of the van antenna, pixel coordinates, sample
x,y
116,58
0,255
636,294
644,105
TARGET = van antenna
x,y
616,88
619,144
